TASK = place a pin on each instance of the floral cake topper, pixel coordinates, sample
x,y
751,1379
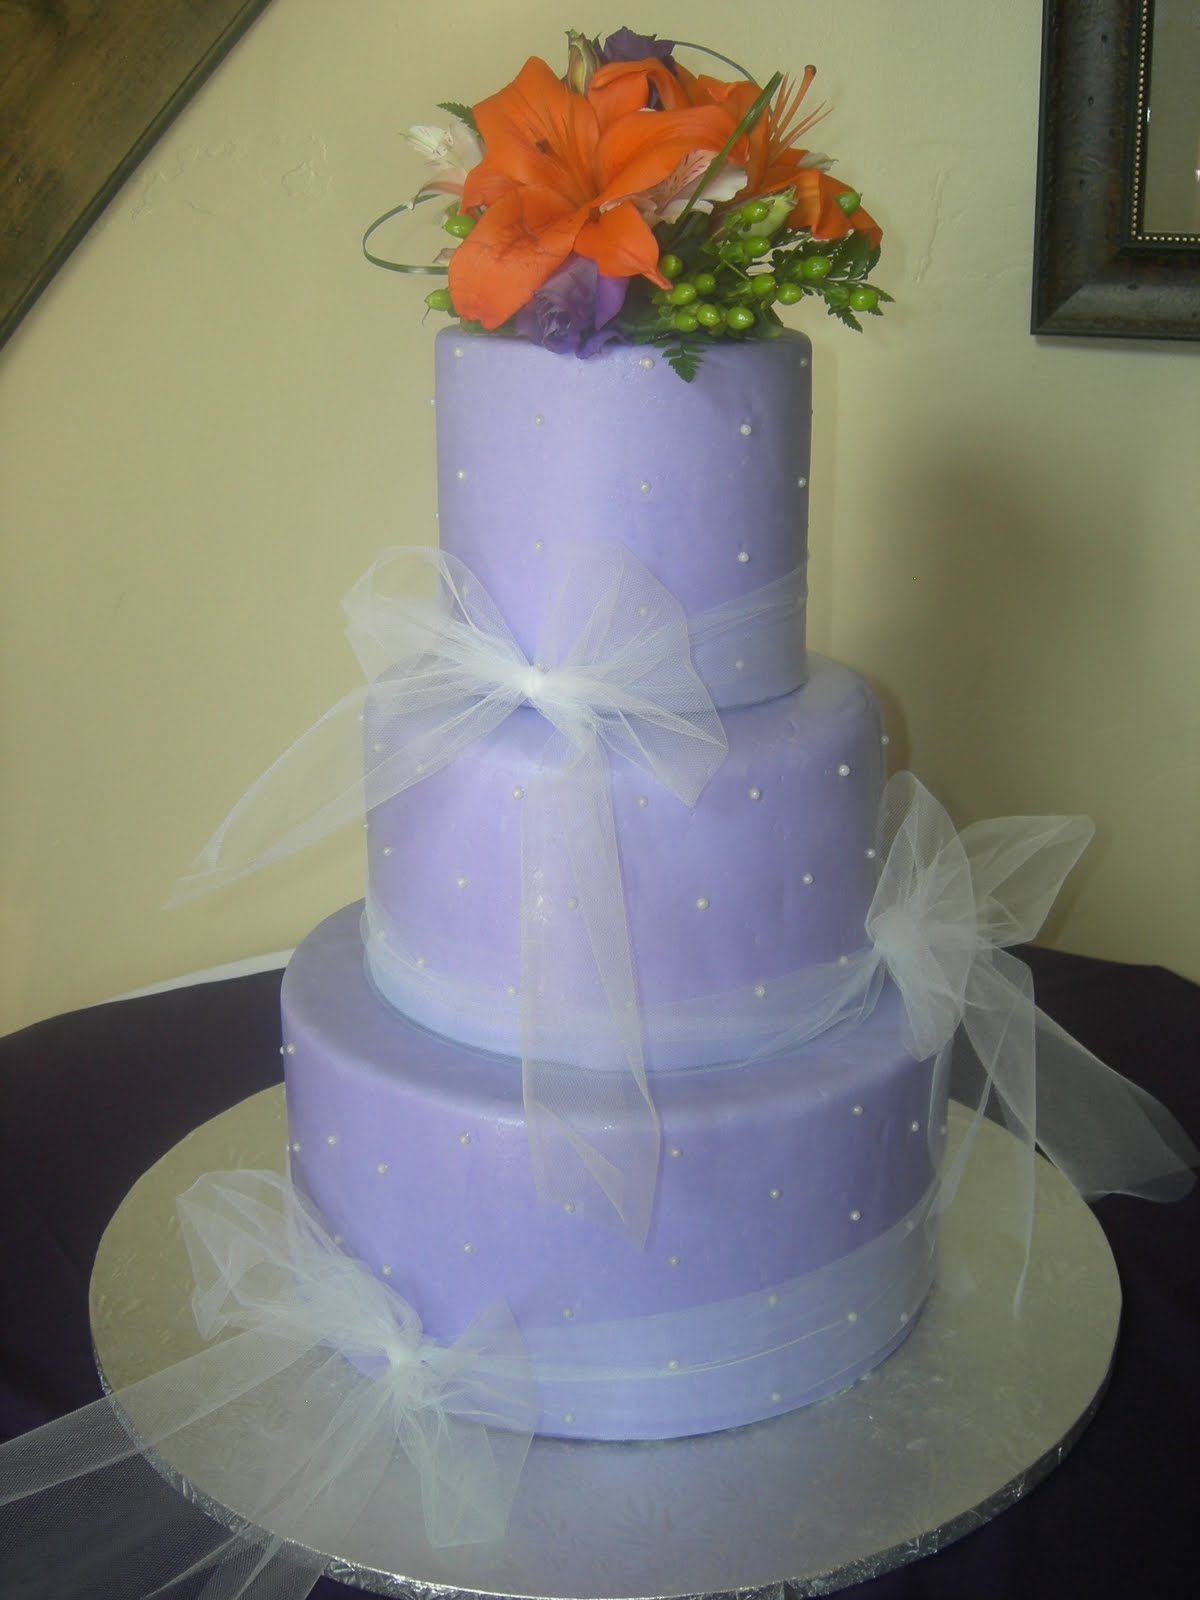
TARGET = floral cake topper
x,y
631,200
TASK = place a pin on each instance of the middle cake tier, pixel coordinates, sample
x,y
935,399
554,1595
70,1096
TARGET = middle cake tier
x,y
771,872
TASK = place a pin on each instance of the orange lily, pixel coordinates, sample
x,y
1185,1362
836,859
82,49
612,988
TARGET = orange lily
x,y
560,175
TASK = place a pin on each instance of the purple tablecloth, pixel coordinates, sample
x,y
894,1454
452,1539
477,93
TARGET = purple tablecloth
x,y
89,1100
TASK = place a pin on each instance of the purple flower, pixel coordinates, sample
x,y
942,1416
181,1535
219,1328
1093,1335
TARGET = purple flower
x,y
572,313
625,45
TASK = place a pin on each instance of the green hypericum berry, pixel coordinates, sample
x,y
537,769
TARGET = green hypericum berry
x,y
850,201
684,322
756,211
763,286
683,294
709,316
705,282
757,246
816,267
864,299
670,266
439,300
790,293
458,224
739,318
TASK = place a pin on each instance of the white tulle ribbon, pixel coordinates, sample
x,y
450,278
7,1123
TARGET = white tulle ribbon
x,y
613,676
318,1394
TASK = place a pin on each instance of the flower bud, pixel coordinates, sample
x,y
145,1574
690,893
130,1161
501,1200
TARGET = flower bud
x,y
779,208
583,59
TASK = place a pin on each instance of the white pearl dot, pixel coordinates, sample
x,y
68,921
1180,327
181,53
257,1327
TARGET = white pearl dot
x,y
676,1152
388,850
672,1365
511,991
420,963
643,611
331,1138
289,1049
568,1312
461,475
382,1168
643,801
568,1416
802,483
296,1148
702,903
904,1316
745,430
387,1271
803,361
776,1397
646,363
538,420
739,666
518,793
760,991
673,1261
871,852
858,1110
569,1207
755,794
852,1316
646,486
843,961
776,1194
807,879
942,1129
379,748
458,352
915,1127
743,556
539,544
856,1216
337,1238
464,1138
909,1225
772,1299
843,771
462,882
468,1249
886,739
572,903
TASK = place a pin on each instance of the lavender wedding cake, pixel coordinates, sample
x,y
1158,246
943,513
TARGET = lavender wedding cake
x,y
790,1244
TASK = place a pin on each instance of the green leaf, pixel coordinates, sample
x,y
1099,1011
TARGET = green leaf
x,y
844,314
685,359
463,113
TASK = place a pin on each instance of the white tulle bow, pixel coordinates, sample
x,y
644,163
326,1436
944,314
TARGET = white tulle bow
x,y
319,1395
613,676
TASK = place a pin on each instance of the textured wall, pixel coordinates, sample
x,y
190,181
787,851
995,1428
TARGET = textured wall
x,y
218,413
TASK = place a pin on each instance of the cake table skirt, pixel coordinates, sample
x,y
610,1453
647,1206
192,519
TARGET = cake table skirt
x,y
973,1409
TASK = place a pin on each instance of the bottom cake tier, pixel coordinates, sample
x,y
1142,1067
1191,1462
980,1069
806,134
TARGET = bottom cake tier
x,y
793,1238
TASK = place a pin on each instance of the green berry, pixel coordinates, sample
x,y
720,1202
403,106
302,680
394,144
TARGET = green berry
x,y
705,282
683,294
684,322
864,299
709,316
816,267
790,293
670,266
756,211
458,224
757,246
763,285
439,300
850,201
739,318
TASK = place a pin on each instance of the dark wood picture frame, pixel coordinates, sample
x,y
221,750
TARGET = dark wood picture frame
x,y
1095,272
86,89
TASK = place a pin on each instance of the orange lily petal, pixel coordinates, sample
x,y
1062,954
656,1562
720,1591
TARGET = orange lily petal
x,y
640,151
621,244
518,244
627,84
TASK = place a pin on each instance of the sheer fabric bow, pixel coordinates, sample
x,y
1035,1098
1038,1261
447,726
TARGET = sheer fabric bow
x,y
323,1404
613,677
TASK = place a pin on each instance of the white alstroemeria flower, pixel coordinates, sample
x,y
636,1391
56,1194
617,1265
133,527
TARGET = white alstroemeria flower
x,y
667,199
449,152
815,160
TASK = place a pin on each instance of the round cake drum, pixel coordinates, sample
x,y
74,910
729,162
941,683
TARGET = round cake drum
x,y
961,1422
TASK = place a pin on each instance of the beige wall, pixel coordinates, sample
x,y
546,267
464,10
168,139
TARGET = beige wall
x,y
218,413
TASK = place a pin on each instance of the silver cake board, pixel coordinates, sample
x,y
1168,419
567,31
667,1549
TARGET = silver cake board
x,y
973,1410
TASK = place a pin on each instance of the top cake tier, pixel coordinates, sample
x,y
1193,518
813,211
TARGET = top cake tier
x,y
705,482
